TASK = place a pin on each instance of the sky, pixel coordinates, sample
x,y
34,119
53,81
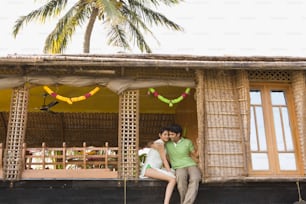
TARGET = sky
x,y
211,28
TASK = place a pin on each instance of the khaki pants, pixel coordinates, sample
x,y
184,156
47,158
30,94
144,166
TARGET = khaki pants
x,y
188,180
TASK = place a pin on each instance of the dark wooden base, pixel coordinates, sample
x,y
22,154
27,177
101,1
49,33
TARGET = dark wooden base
x,y
144,191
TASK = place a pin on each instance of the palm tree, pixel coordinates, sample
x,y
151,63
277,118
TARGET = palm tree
x,y
126,21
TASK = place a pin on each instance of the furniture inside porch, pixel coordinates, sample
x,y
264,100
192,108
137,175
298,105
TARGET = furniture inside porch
x,y
84,162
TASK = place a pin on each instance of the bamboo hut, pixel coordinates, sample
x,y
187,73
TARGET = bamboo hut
x,y
92,113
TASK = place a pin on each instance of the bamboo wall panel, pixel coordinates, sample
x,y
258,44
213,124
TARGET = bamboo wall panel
x,y
298,88
44,127
213,133
243,89
224,152
73,128
93,128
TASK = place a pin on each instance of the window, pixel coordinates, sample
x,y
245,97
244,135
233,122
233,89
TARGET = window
x,y
273,138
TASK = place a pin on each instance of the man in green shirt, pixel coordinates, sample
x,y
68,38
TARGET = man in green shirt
x,y
188,174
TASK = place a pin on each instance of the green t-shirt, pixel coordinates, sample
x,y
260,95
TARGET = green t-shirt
x,y
179,153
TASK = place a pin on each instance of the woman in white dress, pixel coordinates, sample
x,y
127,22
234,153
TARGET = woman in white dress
x,y
156,164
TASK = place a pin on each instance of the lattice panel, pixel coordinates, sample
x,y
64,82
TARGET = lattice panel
x,y
128,135
273,75
15,134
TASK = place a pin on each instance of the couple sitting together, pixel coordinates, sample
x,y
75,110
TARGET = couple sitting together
x,y
184,170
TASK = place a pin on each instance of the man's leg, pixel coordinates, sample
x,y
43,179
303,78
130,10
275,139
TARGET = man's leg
x,y
181,180
193,186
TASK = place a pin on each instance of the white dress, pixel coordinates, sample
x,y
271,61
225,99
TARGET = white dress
x,y
153,160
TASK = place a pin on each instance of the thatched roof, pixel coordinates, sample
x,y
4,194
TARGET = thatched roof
x,y
155,61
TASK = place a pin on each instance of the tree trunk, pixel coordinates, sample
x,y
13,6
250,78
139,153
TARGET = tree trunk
x,y
89,28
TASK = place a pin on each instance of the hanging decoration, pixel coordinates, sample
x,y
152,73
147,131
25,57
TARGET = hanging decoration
x,y
169,101
71,100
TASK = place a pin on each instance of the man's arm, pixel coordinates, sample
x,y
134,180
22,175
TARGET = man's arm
x,y
194,153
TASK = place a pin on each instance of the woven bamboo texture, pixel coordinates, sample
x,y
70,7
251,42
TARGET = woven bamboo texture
x,y
128,136
142,73
298,88
73,128
243,87
16,134
224,151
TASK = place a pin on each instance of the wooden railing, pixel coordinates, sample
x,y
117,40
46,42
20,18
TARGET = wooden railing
x,y
71,157
68,162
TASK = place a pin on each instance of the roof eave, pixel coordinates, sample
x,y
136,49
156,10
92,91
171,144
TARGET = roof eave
x,y
157,61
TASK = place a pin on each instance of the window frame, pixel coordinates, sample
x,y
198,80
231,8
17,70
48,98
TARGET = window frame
x,y
273,160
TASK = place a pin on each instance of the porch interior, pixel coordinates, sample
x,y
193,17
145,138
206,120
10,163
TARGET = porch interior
x,y
92,123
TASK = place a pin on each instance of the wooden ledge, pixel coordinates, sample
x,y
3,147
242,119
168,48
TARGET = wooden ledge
x,y
69,174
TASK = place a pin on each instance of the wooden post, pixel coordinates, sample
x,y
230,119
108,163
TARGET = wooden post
x,y
64,155
84,155
106,155
43,155
201,121
24,149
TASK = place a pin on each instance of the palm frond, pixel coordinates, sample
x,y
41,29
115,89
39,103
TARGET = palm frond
x,y
138,18
169,2
116,37
139,38
155,2
134,18
155,18
111,10
51,9
57,40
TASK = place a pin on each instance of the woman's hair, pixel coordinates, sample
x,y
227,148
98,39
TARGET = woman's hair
x,y
175,128
163,129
